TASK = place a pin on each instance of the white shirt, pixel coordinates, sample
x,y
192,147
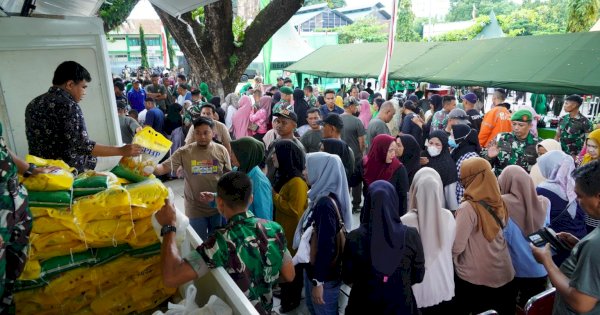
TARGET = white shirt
x,y
142,117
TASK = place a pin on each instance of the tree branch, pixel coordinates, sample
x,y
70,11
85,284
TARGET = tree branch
x,y
267,22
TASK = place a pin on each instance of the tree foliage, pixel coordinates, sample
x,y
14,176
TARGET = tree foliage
x,y
334,4
115,12
582,15
170,49
465,34
143,49
461,10
405,31
365,30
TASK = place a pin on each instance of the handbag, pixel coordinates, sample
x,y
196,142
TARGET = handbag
x,y
253,127
340,239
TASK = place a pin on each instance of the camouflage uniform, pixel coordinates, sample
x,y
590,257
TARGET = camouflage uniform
x,y
251,250
192,113
572,133
512,151
312,102
281,105
15,227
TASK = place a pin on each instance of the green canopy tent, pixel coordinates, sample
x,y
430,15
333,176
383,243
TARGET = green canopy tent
x,y
552,64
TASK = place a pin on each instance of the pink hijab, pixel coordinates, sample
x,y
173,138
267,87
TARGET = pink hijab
x,y
241,118
365,112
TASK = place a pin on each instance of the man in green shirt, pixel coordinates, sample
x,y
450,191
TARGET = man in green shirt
x,y
577,281
252,250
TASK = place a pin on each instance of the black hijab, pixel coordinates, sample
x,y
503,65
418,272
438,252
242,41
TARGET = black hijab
x,y
443,163
217,102
410,157
466,139
380,221
300,107
291,162
321,100
339,148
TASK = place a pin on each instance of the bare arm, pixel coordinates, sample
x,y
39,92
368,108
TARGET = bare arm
x,y
287,271
22,166
176,271
361,143
126,150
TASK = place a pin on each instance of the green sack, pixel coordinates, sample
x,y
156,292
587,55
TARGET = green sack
x,y
106,254
89,185
127,174
149,250
53,199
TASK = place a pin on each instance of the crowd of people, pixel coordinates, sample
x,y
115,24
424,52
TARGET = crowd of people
x,y
447,196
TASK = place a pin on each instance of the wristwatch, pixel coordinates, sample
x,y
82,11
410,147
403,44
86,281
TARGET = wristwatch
x,y
167,229
29,170
316,282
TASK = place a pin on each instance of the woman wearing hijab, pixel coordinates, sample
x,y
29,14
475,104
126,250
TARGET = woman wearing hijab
x,y
365,108
437,229
290,198
438,157
381,164
383,258
341,149
411,153
542,148
232,100
339,102
482,264
300,107
173,120
559,188
527,214
435,105
409,127
218,109
591,147
247,153
465,145
329,211
260,117
241,118
205,92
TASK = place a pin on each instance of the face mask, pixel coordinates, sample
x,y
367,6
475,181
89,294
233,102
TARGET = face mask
x,y
452,143
433,152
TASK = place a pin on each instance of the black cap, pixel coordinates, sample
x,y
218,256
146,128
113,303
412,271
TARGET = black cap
x,y
121,105
284,113
333,120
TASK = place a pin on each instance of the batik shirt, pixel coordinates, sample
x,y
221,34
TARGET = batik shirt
x,y
512,151
251,250
55,129
572,132
439,120
15,227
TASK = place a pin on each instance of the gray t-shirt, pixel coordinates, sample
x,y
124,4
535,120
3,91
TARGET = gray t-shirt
x,y
376,127
583,270
311,140
157,89
353,129
128,126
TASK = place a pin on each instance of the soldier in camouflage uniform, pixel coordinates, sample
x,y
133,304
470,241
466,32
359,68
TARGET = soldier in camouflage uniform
x,y
573,127
252,250
286,99
518,147
310,97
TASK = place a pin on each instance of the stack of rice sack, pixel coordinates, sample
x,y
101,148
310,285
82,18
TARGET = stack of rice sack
x,y
93,249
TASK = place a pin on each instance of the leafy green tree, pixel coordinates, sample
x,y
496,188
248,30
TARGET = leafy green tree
x,y
143,49
366,30
334,4
404,23
465,34
462,10
115,13
170,49
582,15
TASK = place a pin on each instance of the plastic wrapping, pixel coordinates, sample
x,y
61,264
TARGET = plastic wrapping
x,y
154,147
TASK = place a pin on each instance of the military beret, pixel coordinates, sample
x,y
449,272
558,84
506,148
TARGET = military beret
x,y
523,115
286,90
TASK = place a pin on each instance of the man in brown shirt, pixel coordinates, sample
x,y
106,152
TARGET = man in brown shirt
x,y
220,131
203,162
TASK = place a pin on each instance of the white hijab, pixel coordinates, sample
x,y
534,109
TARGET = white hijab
x,y
556,167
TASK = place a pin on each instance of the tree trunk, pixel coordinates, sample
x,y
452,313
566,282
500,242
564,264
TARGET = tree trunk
x,y
209,49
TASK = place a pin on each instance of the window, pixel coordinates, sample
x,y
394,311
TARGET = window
x,y
132,41
153,41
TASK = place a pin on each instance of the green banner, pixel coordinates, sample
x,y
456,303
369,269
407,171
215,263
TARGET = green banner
x,y
266,52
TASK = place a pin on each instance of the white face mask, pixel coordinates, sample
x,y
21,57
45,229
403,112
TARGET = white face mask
x,y
433,152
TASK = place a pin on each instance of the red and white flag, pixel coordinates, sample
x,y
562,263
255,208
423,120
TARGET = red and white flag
x,y
383,75
163,35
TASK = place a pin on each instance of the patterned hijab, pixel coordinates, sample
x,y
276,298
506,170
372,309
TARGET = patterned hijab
x,y
525,207
594,135
481,185
232,99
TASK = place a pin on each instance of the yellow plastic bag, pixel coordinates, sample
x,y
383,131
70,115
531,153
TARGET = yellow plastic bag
x,y
61,179
39,211
44,225
108,204
150,193
32,270
150,294
104,233
138,213
154,145
44,241
68,243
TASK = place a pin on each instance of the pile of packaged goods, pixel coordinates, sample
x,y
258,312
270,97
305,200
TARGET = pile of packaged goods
x,y
93,249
